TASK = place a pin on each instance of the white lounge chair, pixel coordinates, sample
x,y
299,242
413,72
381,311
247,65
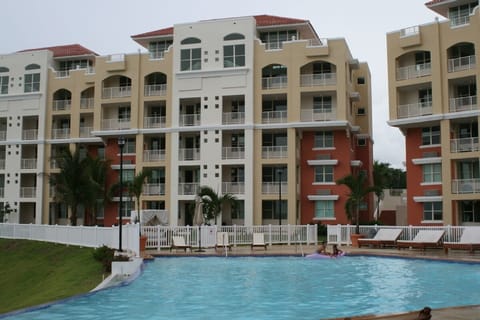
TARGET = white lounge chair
x,y
222,241
424,239
383,237
470,240
259,241
178,242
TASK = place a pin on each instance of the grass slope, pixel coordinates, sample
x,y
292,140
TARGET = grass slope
x,y
33,272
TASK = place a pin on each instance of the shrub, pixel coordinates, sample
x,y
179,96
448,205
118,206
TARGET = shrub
x,y
105,256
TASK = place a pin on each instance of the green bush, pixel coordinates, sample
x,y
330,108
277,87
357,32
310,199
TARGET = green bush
x,y
105,256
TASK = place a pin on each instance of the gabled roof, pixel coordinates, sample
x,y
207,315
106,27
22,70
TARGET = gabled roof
x,y
71,50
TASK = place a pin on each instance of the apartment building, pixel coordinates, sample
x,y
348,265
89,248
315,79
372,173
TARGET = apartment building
x,y
433,100
258,107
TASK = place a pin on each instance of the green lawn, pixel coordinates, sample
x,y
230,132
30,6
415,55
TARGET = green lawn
x,y
33,272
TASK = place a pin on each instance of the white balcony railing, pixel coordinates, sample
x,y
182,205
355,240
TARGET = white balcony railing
x,y
61,133
272,187
274,116
233,153
274,82
2,164
462,63
310,115
155,90
3,135
414,110
188,120
154,122
30,134
463,104
414,71
154,155
86,103
188,154
62,105
188,188
233,117
320,79
115,124
274,152
2,192
116,92
157,55
461,186
28,163
86,132
460,20
464,145
409,32
233,187
28,192
154,189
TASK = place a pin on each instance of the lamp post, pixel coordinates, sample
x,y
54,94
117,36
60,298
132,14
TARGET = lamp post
x,y
279,197
121,144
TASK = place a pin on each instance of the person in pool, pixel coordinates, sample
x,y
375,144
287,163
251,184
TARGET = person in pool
x,y
425,314
321,249
335,251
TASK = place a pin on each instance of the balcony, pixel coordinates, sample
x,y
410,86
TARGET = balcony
x,y
459,20
233,187
233,153
86,132
62,74
189,120
154,155
274,116
462,63
274,82
463,104
3,135
2,192
116,124
154,189
151,90
414,110
62,133
233,117
464,145
2,164
86,103
30,134
414,71
190,188
188,154
274,152
28,192
310,115
320,79
154,122
116,92
465,186
28,163
272,187
62,105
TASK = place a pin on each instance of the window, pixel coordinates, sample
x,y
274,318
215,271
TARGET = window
x,y
361,142
233,36
238,211
74,64
127,207
234,56
190,40
274,139
322,104
432,211
323,174
275,39
124,114
361,111
3,84
425,97
322,67
323,139
128,175
270,209
471,211
190,59
129,145
421,58
431,135
324,209
360,80
157,48
32,82
432,173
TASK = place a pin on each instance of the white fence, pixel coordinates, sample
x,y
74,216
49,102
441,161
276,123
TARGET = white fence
x,y
75,235
161,236
340,234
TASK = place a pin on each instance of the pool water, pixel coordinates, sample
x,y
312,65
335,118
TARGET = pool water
x,y
275,288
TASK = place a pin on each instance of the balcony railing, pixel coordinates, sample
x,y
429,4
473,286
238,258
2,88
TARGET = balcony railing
x,y
116,92
272,187
233,153
274,152
154,122
188,188
2,163
410,31
274,116
62,105
3,135
233,187
461,186
462,63
28,192
414,110
154,155
274,82
310,115
155,90
320,79
414,71
188,120
86,132
188,154
153,189
28,163
86,103
464,145
62,133
463,104
459,20
30,134
115,124
233,117
156,55
2,192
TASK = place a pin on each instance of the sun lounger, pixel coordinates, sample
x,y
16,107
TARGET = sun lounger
x,y
470,240
424,239
178,242
259,241
384,237
222,241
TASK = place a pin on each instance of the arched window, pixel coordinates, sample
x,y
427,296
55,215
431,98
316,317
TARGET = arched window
x,y
32,66
4,69
233,36
190,40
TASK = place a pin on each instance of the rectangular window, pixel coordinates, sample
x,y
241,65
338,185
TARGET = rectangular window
x,y
128,175
425,97
432,211
324,209
322,104
190,59
157,48
129,145
127,207
124,114
238,211
275,39
323,174
4,85
270,209
32,82
432,173
234,56
431,135
323,139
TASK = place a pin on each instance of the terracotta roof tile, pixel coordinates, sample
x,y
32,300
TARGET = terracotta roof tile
x,y
433,2
70,50
161,32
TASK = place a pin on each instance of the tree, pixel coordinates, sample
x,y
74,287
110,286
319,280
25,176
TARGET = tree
x,y
357,184
97,174
213,203
381,181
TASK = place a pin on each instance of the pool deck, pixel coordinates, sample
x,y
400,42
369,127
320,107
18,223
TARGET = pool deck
x,y
456,313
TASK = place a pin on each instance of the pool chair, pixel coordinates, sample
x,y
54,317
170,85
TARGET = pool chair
x,y
259,241
424,239
222,241
178,242
383,237
470,240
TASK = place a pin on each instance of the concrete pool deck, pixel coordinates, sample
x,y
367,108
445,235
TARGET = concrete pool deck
x,y
456,313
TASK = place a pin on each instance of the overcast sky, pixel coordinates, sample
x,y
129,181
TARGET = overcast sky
x,y
105,26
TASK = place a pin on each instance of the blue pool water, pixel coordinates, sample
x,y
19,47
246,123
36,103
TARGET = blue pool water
x,y
275,288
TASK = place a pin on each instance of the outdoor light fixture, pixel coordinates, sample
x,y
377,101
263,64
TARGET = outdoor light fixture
x,y
280,197
121,144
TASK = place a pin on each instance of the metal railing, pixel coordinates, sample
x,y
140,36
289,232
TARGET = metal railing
x,y
410,31
460,104
62,133
464,145
155,90
115,124
188,120
189,188
87,103
274,152
319,79
273,187
116,92
274,116
28,192
461,63
154,155
30,134
3,135
310,115
414,71
274,82
464,186
233,117
62,105
460,20
154,122
188,154
28,163
414,110
152,189
85,132
233,187
233,153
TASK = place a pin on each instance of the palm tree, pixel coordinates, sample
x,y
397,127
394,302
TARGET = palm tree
x,y
381,180
358,191
97,173
213,203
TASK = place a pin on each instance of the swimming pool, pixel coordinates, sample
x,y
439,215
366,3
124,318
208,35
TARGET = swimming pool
x,y
276,288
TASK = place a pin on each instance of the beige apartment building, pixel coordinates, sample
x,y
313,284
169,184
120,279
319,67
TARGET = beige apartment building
x,y
433,80
258,107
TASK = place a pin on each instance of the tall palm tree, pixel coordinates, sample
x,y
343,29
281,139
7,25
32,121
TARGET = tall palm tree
x,y
213,202
358,190
97,173
381,180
